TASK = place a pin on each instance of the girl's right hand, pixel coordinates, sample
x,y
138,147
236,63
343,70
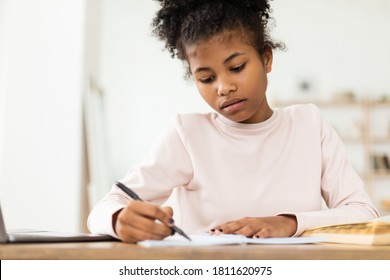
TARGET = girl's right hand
x,y
140,220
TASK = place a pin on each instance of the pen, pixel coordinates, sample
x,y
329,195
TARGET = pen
x,y
134,196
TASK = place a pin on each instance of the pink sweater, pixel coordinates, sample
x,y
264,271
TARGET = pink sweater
x,y
217,170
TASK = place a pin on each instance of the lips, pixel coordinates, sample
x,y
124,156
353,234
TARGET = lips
x,y
231,102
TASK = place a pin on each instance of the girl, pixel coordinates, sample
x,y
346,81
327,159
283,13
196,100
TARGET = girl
x,y
245,168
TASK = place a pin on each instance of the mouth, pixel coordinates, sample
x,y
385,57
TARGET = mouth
x,y
232,105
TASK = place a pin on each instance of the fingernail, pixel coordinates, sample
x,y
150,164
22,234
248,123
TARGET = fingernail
x,y
171,221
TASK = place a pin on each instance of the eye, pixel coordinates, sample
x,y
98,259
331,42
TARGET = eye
x,y
238,68
207,80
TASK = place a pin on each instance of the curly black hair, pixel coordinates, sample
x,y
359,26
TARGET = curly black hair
x,y
180,23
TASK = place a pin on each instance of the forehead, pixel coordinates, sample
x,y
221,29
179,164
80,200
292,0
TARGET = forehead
x,y
222,43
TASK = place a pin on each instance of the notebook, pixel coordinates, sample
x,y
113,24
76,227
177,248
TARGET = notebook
x,y
205,239
41,236
374,232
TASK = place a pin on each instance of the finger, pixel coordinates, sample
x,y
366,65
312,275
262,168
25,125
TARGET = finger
x,y
223,225
145,224
169,212
131,221
153,212
221,229
249,230
232,227
217,231
263,233
131,234
141,231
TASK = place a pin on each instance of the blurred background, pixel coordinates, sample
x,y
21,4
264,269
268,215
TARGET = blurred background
x,y
85,89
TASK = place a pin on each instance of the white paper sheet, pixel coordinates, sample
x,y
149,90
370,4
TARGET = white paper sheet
x,y
225,239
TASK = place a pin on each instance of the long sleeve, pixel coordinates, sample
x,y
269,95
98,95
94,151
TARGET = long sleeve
x,y
165,167
341,187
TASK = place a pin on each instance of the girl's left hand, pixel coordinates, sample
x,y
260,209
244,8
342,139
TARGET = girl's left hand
x,y
260,227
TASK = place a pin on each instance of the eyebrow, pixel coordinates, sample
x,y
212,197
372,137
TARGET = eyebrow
x,y
229,58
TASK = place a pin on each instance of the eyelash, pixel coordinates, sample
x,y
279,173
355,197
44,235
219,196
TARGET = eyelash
x,y
236,69
207,80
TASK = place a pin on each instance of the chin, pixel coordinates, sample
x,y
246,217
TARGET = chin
x,y
237,118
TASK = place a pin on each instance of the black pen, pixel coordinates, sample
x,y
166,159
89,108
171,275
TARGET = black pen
x,y
134,196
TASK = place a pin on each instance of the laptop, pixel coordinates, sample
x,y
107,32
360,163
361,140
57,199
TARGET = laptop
x,y
41,236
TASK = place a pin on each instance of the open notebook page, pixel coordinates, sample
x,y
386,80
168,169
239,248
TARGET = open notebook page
x,y
205,239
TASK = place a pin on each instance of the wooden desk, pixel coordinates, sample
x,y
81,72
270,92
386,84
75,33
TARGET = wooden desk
x,y
118,250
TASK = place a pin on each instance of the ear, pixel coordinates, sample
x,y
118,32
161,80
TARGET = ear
x,y
267,60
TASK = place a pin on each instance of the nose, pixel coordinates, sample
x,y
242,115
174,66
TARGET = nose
x,y
226,88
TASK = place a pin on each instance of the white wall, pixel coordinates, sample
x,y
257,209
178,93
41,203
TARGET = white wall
x,y
2,82
42,77
335,45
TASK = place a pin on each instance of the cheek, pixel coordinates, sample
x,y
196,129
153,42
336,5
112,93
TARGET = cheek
x,y
259,82
207,94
